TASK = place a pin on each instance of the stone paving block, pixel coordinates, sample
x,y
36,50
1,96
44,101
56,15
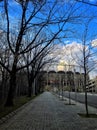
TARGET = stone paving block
x,y
47,112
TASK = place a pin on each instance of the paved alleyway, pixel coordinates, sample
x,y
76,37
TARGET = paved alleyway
x,y
47,112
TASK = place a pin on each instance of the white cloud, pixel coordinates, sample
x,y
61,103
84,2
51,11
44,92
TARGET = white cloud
x,y
64,57
94,43
71,54
64,53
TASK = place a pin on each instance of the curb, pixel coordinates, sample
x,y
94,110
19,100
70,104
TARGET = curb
x,y
79,104
11,114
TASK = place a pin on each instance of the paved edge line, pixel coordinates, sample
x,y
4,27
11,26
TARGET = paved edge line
x,y
11,114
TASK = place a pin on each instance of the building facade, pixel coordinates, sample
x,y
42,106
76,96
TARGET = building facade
x,y
92,85
67,80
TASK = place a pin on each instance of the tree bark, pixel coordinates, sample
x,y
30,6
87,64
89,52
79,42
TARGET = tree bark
x,y
12,83
30,81
30,88
86,104
86,101
12,88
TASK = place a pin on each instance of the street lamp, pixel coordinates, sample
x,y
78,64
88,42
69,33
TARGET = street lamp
x,y
47,78
75,83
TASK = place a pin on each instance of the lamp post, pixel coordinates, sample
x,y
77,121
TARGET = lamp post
x,y
60,84
75,83
47,78
62,88
65,76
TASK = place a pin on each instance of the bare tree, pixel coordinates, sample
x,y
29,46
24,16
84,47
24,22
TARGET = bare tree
x,y
39,62
4,57
85,58
36,17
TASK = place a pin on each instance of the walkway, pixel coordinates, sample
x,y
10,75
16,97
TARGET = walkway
x,y
48,112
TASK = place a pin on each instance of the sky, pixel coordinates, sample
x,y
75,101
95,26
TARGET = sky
x,y
72,38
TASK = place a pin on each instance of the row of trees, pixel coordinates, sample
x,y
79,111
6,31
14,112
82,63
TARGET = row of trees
x,y
31,71
27,41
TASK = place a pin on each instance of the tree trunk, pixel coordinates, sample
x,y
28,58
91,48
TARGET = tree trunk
x,y
12,88
2,86
12,84
29,88
86,102
30,81
69,98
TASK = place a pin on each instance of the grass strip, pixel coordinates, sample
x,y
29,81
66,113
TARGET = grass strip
x,y
18,102
90,115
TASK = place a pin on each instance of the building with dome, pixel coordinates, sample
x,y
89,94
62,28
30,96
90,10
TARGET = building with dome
x,y
68,80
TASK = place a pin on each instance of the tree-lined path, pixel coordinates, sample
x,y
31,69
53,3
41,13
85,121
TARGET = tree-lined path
x,y
47,112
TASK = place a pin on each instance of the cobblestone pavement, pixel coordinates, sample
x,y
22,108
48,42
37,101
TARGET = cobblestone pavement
x,y
48,112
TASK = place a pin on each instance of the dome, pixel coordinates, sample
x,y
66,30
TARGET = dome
x,y
61,65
